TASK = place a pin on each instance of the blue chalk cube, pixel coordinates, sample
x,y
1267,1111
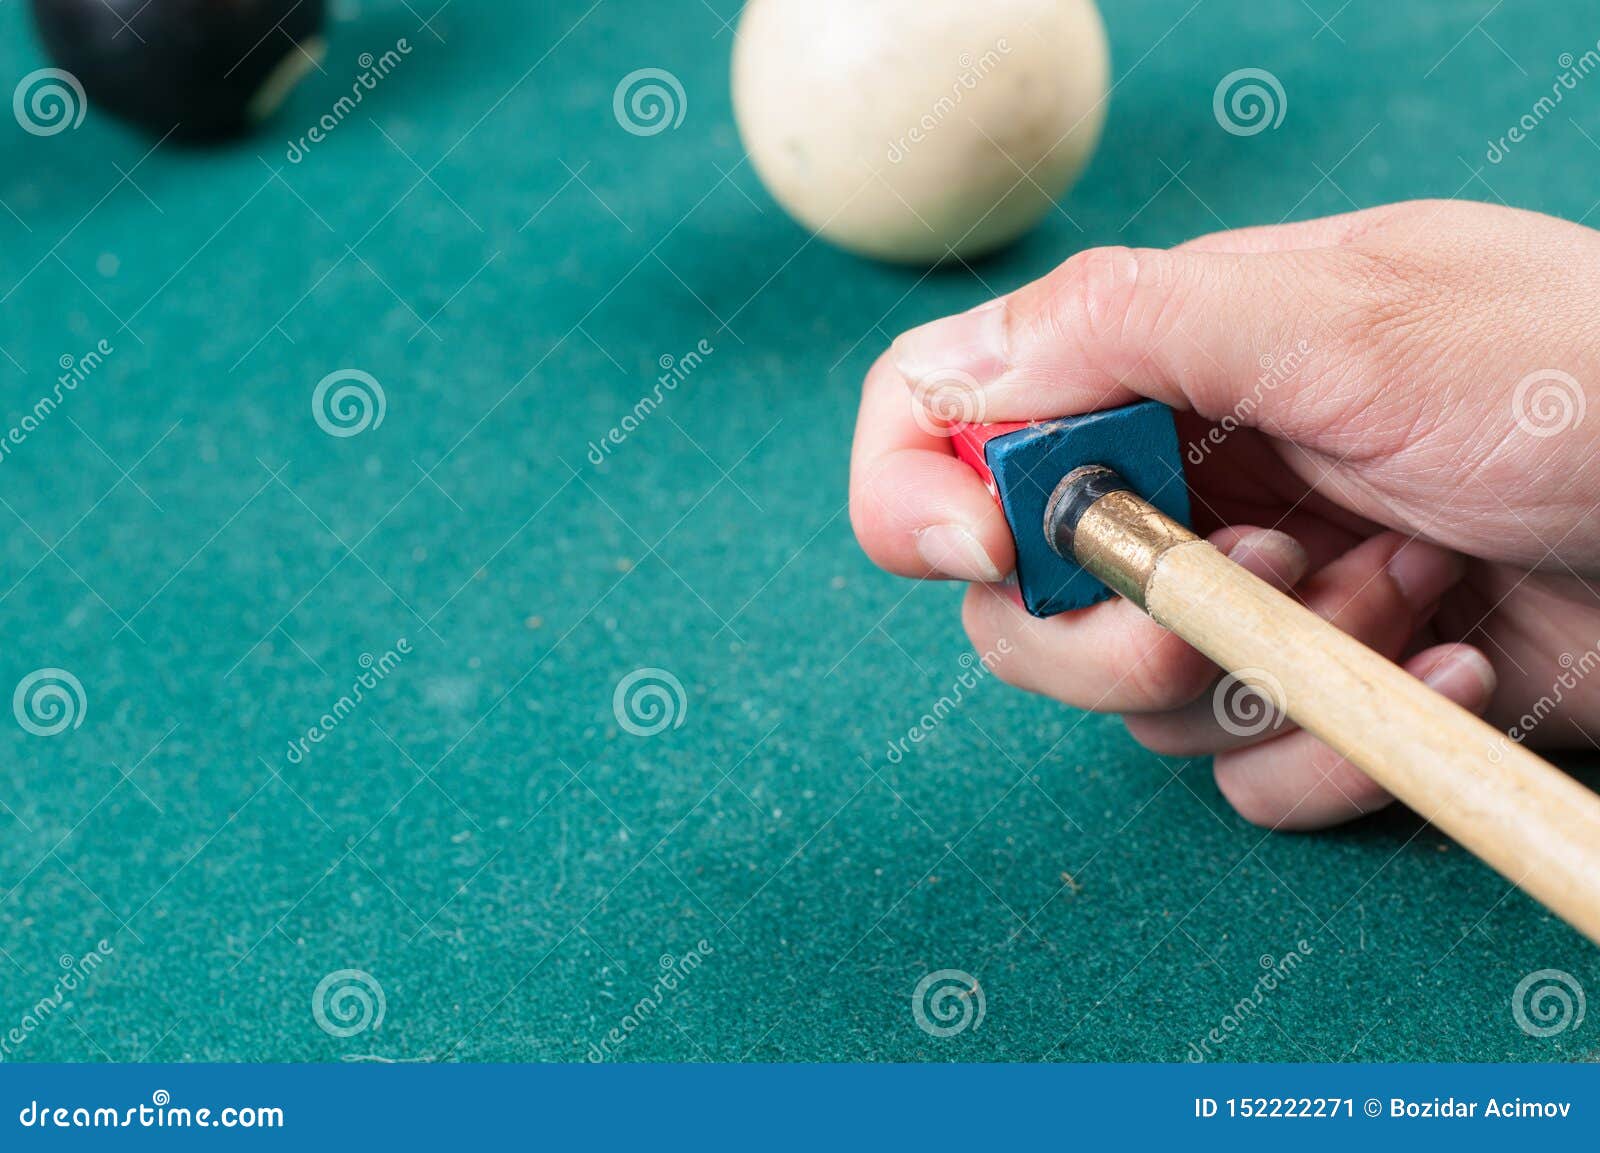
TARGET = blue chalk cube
x,y
1139,441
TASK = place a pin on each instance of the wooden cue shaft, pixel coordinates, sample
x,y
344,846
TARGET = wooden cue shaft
x,y
1524,817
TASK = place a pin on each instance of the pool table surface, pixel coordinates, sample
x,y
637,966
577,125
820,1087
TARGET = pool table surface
x,y
480,834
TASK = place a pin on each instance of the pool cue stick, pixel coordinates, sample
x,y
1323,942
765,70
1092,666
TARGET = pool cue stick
x,y
1518,813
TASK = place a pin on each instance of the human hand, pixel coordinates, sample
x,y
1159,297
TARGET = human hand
x,y
1382,411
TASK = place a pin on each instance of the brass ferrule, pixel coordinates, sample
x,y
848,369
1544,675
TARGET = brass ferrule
x,y
1119,538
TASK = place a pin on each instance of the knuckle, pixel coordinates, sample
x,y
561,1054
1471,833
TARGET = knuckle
x,y
865,512
861,522
874,509
1100,298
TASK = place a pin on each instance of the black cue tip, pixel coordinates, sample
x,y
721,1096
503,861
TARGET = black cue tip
x,y
1077,492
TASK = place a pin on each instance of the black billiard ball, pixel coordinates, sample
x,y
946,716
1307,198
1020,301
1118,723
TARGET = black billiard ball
x,y
201,69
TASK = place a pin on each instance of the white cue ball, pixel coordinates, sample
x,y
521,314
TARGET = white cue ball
x,y
902,129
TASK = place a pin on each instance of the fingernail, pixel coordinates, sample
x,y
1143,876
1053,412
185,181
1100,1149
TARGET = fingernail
x,y
1466,677
1271,555
1423,572
971,343
953,550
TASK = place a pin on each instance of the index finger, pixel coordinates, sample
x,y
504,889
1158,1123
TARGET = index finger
x,y
917,510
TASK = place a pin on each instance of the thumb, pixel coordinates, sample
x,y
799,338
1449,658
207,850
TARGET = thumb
x,y
1218,333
